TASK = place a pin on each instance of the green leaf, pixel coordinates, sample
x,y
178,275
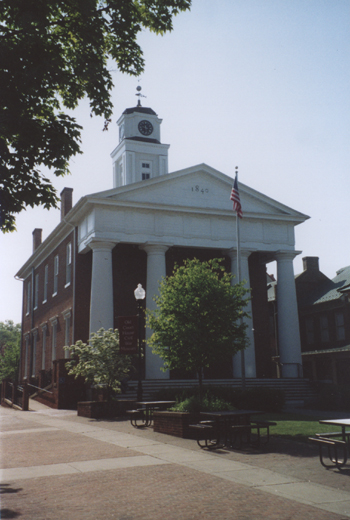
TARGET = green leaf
x,y
99,361
53,53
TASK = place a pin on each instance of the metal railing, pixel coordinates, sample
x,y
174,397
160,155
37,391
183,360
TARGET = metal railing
x,y
40,389
15,395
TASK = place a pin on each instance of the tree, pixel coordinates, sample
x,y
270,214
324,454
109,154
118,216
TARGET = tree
x,y
99,361
198,317
53,53
10,340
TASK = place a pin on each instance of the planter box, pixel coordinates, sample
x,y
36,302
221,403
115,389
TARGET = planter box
x,y
175,423
104,409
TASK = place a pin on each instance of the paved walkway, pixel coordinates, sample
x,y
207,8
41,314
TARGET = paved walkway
x,y
56,465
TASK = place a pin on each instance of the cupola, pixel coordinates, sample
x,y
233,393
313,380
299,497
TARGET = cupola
x,y
140,155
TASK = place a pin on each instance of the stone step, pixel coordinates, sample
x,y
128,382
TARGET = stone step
x,y
296,390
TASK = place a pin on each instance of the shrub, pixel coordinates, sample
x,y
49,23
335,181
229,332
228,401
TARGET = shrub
x,y
209,404
260,398
99,361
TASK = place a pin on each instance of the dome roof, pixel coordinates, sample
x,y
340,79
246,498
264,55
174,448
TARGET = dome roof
x,y
142,110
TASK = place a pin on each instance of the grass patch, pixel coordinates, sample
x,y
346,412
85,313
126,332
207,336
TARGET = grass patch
x,y
297,427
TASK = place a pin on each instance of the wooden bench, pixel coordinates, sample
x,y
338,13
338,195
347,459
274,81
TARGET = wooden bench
x,y
240,434
205,434
333,446
334,434
262,425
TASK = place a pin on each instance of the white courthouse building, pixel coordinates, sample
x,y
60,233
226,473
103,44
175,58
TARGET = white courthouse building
x,y
82,277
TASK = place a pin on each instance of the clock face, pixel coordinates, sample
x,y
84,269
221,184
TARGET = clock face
x,y
145,127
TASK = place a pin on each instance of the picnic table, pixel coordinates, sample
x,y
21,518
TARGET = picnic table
x,y
231,429
144,416
336,443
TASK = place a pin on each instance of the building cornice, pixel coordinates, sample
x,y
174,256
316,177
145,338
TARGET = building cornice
x,y
114,198
58,234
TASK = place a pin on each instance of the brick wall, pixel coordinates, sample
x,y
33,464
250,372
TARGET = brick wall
x,y
54,305
175,423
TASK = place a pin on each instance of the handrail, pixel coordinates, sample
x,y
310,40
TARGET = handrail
x,y
41,389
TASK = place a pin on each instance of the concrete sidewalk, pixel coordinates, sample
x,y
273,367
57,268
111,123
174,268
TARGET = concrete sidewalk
x,y
56,465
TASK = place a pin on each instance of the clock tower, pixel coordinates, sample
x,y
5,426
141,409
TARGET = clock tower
x,y
139,155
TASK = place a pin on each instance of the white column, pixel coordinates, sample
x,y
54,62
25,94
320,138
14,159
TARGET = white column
x,y
101,301
155,271
249,352
287,316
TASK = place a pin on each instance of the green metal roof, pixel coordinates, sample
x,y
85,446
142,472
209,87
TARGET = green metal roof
x,y
328,290
335,290
327,351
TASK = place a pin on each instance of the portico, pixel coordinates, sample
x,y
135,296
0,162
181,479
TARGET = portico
x,y
140,216
151,214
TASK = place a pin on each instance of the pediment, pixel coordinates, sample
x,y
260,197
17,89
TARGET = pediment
x,y
199,188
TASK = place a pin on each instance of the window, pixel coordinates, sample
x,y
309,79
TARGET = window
x,y
67,320
36,291
324,329
46,281
146,170
55,275
43,350
29,294
339,325
26,352
68,263
310,337
35,337
54,339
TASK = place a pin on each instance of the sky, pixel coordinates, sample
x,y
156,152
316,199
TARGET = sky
x,y
262,85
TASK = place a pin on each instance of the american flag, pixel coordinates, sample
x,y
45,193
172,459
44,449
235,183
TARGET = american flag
x,y
236,200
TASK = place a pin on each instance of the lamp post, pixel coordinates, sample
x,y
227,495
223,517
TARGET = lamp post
x,y
140,294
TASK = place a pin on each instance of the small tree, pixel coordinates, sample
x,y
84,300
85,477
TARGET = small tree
x,y
198,317
99,361
10,339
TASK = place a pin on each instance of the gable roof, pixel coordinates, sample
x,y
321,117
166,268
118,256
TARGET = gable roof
x,y
329,290
175,194
199,188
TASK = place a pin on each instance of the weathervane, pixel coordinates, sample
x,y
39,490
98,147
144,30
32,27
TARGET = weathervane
x,y
139,95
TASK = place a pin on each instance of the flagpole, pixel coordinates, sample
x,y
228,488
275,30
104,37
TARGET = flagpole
x,y
238,235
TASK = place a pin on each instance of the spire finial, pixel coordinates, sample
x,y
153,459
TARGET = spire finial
x,y
139,95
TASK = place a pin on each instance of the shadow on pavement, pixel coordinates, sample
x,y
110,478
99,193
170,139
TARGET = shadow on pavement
x,y
4,488
8,513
